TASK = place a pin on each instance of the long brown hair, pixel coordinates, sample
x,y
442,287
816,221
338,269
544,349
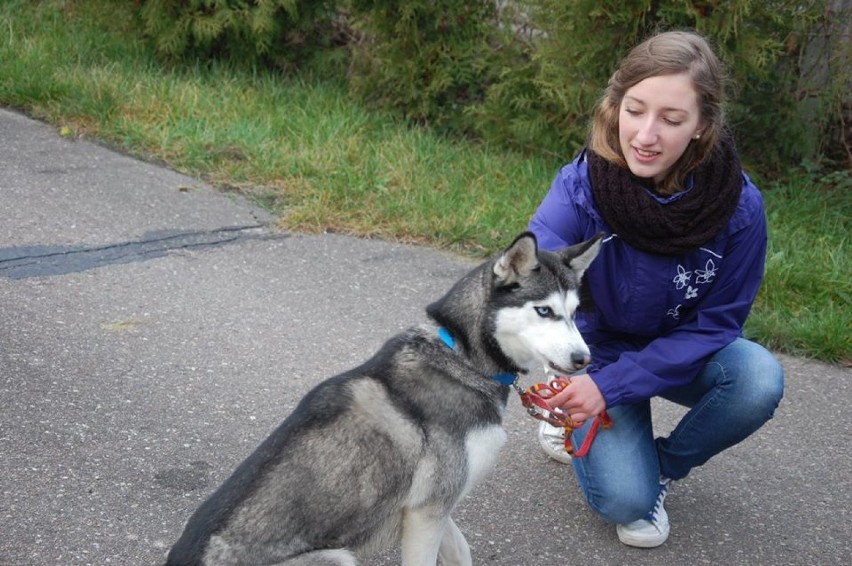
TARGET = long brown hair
x,y
666,53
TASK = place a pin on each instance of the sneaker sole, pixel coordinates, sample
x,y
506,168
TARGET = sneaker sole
x,y
627,539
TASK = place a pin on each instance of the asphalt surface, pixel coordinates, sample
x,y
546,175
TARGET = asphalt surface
x,y
153,331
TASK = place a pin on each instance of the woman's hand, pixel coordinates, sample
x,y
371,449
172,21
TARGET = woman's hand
x,y
581,399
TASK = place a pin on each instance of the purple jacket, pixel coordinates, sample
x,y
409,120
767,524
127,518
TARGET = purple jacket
x,y
656,319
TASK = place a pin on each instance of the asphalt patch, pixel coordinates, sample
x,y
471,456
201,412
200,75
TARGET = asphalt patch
x,y
22,262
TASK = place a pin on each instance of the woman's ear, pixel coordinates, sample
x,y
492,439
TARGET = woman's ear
x,y
700,129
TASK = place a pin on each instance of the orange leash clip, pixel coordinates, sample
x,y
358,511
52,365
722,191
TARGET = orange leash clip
x,y
534,400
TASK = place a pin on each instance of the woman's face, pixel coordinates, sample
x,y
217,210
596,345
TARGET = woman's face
x,y
658,118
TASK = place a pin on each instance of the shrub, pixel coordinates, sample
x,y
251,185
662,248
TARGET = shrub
x,y
283,33
428,60
527,74
570,49
546,102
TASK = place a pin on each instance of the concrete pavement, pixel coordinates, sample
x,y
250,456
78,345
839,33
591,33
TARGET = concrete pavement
x,y
153,331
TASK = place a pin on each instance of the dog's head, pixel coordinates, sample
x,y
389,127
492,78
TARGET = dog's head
x,y
517,310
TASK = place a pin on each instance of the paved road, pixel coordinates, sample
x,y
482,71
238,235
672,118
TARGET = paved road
x,y
154,330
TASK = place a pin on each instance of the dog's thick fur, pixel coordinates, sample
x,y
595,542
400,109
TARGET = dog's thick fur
x,y
384,452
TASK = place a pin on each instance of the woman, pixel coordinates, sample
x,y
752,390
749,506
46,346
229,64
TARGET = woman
x,y
671,289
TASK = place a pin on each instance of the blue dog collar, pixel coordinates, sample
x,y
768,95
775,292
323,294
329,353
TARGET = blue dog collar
x,y
506,379
447,338
501,378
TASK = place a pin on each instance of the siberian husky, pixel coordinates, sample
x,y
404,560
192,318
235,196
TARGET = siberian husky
x,y
380,455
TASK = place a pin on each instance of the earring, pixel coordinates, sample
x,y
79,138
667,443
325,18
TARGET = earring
x,y
696,136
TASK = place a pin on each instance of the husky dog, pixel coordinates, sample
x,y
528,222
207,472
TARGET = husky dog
x,y
380,455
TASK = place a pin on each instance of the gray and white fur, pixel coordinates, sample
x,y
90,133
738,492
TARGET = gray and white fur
x,y
380,455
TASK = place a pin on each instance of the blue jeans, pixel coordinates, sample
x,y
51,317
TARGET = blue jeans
x,y
735,393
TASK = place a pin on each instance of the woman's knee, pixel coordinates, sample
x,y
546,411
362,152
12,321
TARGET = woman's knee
x,y
624,502
620,476
755,374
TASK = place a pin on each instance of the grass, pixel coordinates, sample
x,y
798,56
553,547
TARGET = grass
x,y
322,162
804,305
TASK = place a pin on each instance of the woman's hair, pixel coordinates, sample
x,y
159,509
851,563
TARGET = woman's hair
x,y
667,53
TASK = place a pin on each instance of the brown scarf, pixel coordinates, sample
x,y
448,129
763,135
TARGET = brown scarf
x,y
680,225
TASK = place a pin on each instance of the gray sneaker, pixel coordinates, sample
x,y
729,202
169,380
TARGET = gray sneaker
x,y
653,529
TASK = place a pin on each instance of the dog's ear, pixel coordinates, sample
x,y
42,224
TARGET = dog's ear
x,y
518,260
579,256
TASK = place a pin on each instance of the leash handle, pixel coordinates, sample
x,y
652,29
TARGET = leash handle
x,y
534,400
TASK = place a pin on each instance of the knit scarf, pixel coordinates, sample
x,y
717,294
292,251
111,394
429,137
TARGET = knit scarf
x,y
680,225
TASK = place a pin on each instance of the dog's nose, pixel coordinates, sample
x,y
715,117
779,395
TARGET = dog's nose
x,y
580,360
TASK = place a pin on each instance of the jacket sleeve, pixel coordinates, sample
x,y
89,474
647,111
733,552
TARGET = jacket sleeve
x,y
675,358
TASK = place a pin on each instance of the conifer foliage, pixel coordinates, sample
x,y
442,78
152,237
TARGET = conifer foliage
x,y
527,73
427,59
277,32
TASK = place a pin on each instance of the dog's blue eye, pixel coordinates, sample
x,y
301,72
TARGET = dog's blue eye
x,y
544,312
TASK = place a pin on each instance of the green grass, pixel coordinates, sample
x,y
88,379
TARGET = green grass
x,y
804,304
321,161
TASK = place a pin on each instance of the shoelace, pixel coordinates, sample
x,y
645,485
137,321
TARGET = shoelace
x,y
661,497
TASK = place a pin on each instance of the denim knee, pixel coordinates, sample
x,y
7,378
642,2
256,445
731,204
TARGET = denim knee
x,y
757,377
625,502
620,475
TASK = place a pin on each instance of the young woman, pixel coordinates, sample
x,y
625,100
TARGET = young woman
x,y
671,288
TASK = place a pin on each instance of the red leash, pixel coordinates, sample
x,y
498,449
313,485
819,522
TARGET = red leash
x,y
534,400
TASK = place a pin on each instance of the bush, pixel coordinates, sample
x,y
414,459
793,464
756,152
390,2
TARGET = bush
x,y
284,33
527,74
548,103
428,60
570,50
